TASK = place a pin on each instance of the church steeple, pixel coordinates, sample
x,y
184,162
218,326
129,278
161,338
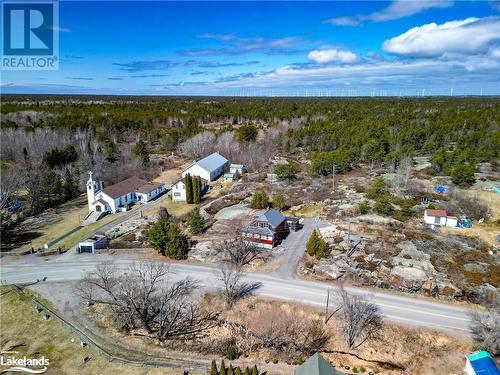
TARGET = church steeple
x,y
92,190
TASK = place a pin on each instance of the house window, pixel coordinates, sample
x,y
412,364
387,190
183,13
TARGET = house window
x,y
437,220
177,194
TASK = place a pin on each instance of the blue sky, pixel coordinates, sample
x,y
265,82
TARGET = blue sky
x,y
273,48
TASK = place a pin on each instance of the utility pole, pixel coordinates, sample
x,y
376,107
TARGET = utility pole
x,y
333,177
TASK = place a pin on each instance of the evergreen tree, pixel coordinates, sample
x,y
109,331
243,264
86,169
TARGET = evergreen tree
x,y
141,152
188,181
247,371
238,371
313,243
223,368
463,174
70,189
196,189
157,235
196,222
230,370
254,370
213,368
176,246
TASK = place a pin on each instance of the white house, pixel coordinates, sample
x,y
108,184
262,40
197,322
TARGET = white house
x,y
179,191
209,168
439,218
119,196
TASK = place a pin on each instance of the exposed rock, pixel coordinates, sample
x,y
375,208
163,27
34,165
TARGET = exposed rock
x,y
407,278
448,289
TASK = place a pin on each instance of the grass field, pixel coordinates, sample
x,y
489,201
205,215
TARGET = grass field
x,y
27,332
177,209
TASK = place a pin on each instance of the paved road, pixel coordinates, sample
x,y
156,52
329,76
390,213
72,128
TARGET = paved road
x,y
294,248
396,308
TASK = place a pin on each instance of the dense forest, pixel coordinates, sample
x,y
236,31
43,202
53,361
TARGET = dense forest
x,y
59,138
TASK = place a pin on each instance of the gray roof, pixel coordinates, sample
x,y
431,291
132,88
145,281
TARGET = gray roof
x,y
316,365
258,230
236,165
271,216
212,162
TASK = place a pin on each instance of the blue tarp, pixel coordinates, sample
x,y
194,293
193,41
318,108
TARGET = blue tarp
x,y
482,363
441,189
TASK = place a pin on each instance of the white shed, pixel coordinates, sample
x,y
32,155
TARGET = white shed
x,y
179,191
91,244
209,168
435,217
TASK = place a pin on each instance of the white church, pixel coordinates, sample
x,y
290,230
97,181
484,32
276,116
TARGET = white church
x,y
120,196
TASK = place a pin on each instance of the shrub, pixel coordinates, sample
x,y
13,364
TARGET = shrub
x,y
362,369
279,202
383,205
286,171
363,207
298,361
259,199
377,188
166,237
355,370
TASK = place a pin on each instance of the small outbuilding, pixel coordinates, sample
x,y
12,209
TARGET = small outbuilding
x,y
316,365
237,168
229,177
91,244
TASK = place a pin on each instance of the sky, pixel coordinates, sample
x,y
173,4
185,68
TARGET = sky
x,y
344,48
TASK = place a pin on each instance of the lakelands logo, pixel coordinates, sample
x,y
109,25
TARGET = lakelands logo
x,y
24,364
30,36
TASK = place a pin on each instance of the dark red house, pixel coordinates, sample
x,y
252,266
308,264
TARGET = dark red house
x,y
266,230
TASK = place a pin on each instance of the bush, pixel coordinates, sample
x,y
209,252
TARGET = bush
x,y
463,174
279,202
377,189
259,199
383,205
363,207
286,171
298,361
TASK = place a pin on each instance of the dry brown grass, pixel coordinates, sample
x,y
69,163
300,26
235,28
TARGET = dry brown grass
x,y
31,335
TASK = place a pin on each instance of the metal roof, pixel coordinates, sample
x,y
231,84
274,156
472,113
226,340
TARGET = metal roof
x,y
316,365
130,185
271,216
258,230
212,162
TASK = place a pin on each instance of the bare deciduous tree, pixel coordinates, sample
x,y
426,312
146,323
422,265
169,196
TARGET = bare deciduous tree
x,y
361,319
143,298
403,175
10,183
485,328
238,252
233,288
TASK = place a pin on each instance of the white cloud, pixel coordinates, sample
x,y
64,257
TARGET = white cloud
x,y
468,36
323,56
397,9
